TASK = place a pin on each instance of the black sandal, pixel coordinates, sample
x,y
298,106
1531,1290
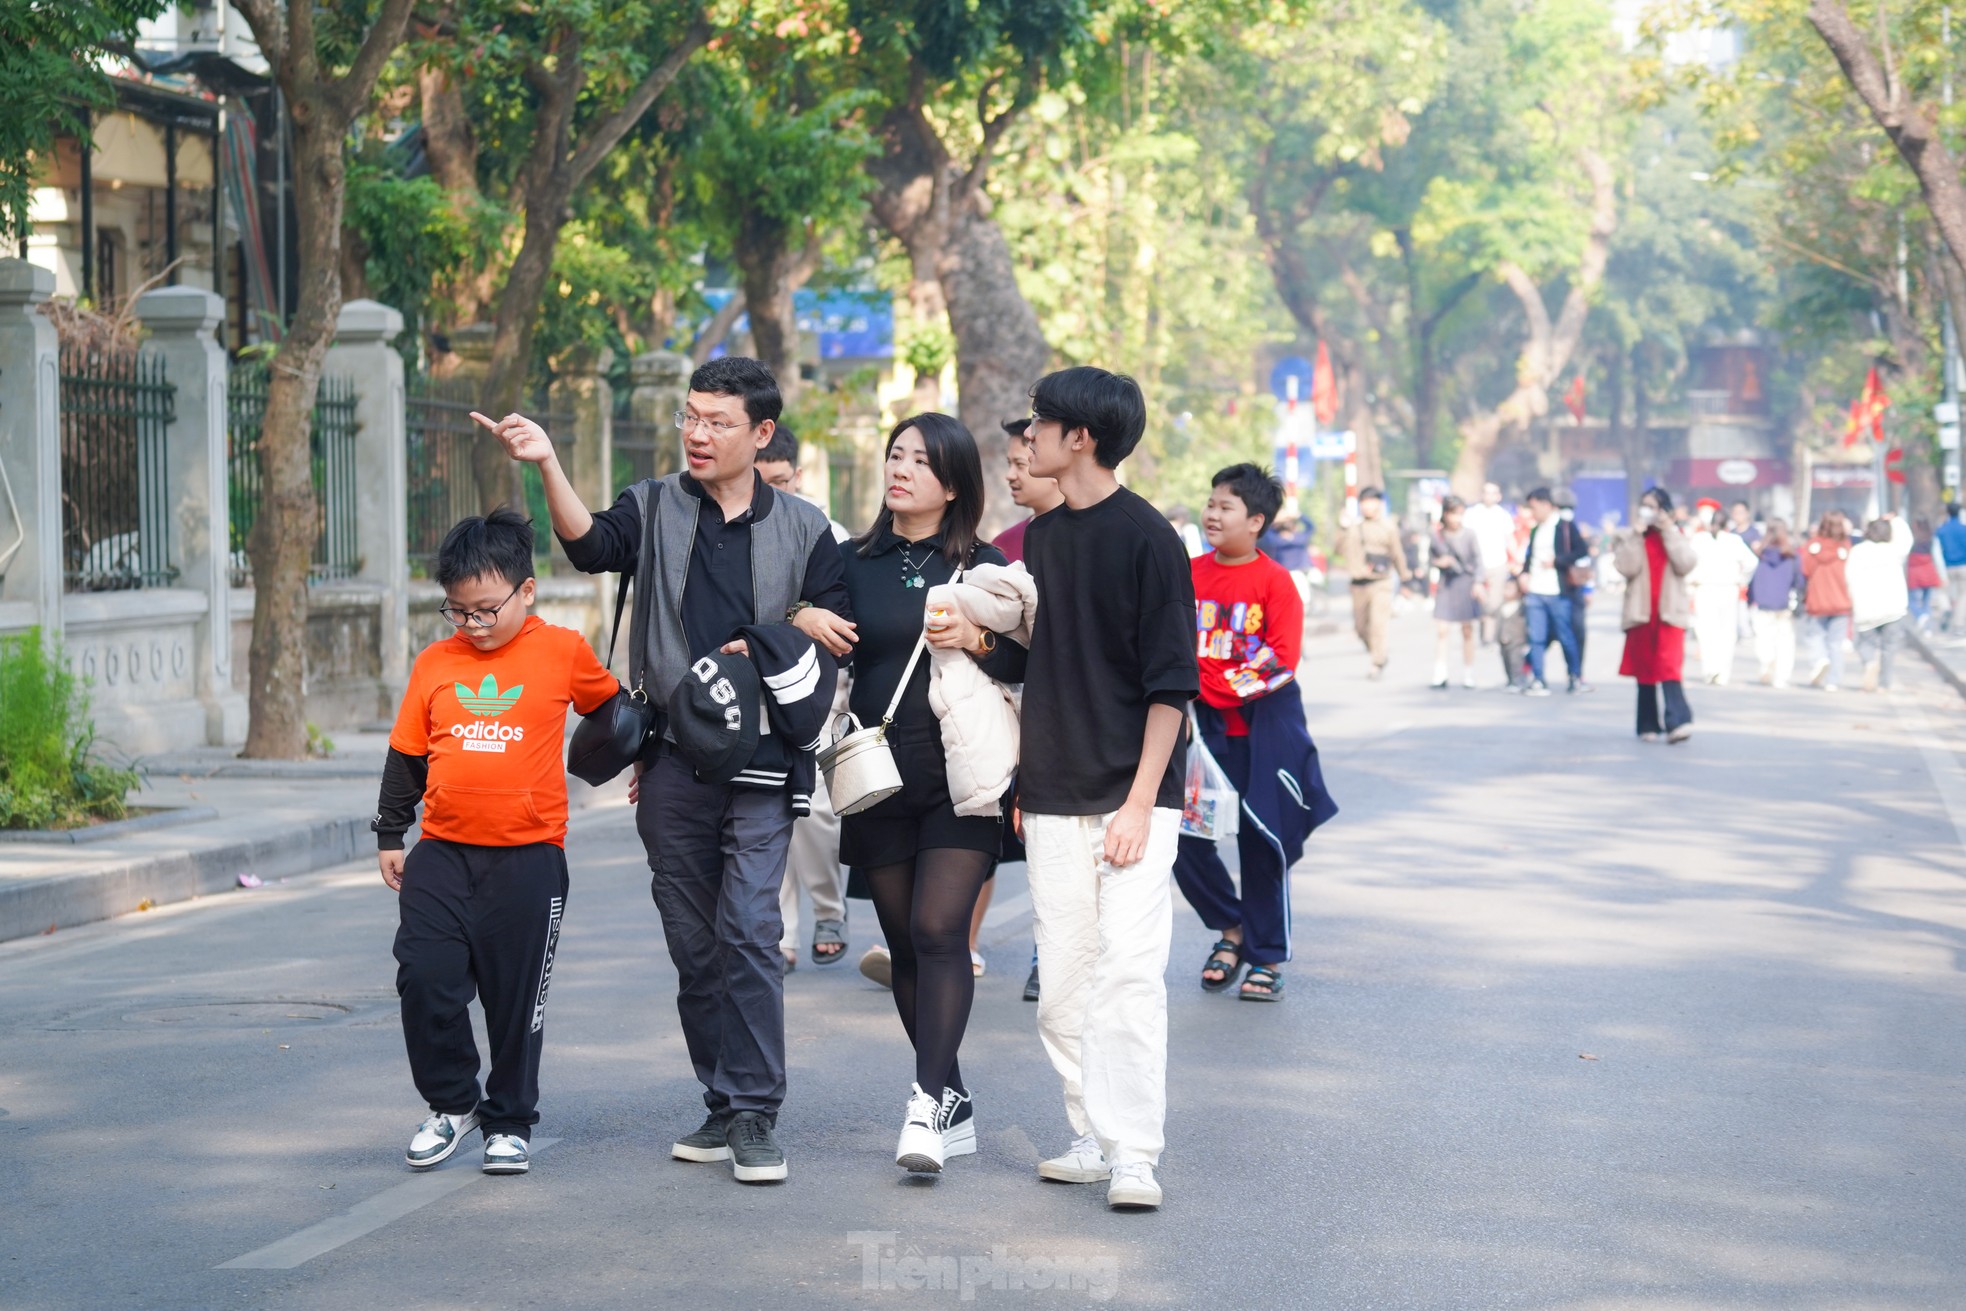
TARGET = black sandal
x,y
1230,968
827,933
1266,978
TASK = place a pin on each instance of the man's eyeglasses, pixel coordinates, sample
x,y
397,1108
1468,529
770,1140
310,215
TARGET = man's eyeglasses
x,y
715,427
457,618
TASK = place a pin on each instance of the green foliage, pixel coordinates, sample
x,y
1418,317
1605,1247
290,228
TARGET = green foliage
x,y
48,81
49,774
416,241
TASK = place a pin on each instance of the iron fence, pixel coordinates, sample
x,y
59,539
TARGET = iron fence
x,y
636,443
116,404
337,553
443,486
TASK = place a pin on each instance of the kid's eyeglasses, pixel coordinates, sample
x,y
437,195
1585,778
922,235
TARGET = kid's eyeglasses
x,y
457,618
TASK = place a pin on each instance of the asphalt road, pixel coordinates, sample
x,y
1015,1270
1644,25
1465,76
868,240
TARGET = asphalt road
x,y
1573,1022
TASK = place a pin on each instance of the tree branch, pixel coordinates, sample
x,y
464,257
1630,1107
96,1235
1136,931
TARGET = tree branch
x,y
269,26
351,91
716,329
993,130
606,134
1910,126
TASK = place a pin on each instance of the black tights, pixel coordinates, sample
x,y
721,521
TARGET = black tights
x,y
924,907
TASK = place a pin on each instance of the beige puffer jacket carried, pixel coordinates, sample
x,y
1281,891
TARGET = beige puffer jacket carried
x,y
1675,606
979,715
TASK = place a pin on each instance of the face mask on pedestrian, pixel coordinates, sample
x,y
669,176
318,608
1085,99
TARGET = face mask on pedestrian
x,y
1648,515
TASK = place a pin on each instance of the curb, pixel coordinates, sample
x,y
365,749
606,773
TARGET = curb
x,y
84,896
1932,658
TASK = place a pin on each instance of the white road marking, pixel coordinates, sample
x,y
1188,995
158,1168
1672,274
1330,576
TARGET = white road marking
x,y
365,1218
1940,761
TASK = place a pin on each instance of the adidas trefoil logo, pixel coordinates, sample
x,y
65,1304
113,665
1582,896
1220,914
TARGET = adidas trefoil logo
x,y
488,701
486,705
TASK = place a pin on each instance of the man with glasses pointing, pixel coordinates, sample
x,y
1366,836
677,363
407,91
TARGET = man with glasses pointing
x,y
712,549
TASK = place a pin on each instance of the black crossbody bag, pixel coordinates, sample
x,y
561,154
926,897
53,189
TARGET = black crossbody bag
x,y
613,737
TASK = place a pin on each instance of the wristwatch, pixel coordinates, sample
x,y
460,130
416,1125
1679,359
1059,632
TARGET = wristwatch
x,y
792,612
985,643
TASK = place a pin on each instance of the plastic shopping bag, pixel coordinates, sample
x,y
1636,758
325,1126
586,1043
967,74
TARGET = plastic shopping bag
x,y
1210,807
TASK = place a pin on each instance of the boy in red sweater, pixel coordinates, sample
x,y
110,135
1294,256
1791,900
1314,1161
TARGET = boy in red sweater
x,y
479,741
1249,633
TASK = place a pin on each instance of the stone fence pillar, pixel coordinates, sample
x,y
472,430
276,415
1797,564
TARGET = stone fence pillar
x,y
30,453
181,322
661,385
362,353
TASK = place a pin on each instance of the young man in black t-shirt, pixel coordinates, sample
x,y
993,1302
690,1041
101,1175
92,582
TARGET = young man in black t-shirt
x,y
1112,668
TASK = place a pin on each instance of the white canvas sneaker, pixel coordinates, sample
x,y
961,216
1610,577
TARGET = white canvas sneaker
x,y
437,1137
1083,1164
920,1148
506,1154
1133,1187
958,1124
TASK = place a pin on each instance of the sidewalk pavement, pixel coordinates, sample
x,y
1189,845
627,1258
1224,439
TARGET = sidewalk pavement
x,y
1946,653
263,818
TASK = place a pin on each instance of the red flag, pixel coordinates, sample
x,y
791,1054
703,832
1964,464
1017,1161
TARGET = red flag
x,y
1573,399
1324,388
1867,411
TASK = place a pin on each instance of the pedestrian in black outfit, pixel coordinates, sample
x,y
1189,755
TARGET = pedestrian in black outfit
x,y
924,864
712,550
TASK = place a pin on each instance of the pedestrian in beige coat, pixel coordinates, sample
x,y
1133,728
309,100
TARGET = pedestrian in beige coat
x,y
1377,560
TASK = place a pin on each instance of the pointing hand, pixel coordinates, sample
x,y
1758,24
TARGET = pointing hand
x,y
524,440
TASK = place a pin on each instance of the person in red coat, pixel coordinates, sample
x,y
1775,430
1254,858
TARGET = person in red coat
x,y
1655,559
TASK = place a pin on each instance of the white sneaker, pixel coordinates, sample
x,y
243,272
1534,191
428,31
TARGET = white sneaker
x,y
437,1137
1133,1187
920,1148
958,1124
506,1154
1083,1164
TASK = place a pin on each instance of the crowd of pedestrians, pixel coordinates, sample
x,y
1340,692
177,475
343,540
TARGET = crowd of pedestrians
x,y
759,632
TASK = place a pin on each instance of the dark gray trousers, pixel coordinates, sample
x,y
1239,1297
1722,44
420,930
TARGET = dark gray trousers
x,y
717,854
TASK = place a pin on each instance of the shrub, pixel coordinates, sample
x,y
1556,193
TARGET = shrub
x,y
49,774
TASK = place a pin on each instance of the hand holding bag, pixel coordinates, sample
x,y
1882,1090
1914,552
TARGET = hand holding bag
x,y
1210,807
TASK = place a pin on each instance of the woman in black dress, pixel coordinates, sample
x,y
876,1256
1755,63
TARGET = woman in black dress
x,y
923,864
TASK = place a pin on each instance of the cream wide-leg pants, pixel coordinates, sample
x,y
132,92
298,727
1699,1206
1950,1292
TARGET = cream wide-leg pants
x,y
1716,620
1103,935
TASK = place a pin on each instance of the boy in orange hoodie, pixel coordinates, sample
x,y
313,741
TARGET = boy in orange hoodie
x,y
479,742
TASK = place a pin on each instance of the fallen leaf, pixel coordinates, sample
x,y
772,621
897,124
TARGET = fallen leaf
x,y
1585,1056
145,904
325,1187
285,1046
45,932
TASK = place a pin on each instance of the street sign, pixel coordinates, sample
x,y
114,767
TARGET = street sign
x,y
1289,368
1948,436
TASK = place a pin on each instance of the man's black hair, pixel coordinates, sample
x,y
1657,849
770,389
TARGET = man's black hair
x,y
1256,487
497,543
1371,494
783,448
1541,494
1952,510
1107,405
740,375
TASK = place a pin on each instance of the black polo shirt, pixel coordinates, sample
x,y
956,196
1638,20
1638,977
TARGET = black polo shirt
x,y
718,596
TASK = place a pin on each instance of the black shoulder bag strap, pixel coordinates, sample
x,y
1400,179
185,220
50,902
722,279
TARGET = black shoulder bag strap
x,y
627,582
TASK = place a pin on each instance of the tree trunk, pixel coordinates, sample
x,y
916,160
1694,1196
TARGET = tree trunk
x,y
1000,349
772,270
497,476
1548,346
281,544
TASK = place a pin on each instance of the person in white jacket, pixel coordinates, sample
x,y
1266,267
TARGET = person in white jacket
x,y
1879,600
1724,565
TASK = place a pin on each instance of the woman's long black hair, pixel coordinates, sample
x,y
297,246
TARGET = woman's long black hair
x,y
956,464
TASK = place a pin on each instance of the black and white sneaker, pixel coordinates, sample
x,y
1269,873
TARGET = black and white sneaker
x,y
506,1153
754,1154
437,1137
920,1149
958,1124
708,1143
1031,984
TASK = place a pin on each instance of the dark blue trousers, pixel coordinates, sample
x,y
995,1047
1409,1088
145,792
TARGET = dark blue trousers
x,y
1263,906
717,856
1550,616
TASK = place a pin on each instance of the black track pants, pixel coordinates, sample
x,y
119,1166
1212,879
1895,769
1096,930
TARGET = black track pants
x,y
480,921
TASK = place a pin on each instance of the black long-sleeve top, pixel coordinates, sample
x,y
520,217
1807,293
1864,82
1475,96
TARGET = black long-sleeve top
x,y
888,611
719,599
404,778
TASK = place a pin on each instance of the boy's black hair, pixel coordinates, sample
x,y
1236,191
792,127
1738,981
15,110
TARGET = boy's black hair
x,y
1541,494
1256,487
740,375
1371,494
783,448
496,543
1107,405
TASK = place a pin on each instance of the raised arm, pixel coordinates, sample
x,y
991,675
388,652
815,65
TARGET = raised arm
x,y
527,442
